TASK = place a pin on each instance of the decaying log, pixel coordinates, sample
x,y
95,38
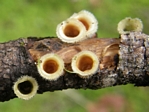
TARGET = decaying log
x,y
122,60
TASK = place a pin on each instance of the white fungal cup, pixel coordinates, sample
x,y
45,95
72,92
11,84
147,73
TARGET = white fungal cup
x,y
129,24
85,64
88,20
25,87
71,31
50,66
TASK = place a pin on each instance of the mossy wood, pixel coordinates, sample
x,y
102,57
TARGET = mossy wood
x,y
122,60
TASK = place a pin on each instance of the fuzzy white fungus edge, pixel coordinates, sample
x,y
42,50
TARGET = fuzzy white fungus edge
x,y
33,91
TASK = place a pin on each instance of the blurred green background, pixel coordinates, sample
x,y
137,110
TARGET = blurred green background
x,y
23,18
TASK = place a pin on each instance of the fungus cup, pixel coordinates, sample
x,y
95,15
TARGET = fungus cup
x,y
25,87
85,64
129,24
88,20
71,31
50,66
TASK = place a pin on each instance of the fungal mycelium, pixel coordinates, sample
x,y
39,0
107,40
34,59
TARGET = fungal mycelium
x,y
50,66
25,87
129,24
85,64
78,27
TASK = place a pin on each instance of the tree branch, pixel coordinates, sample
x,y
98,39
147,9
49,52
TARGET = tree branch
x,y
122,61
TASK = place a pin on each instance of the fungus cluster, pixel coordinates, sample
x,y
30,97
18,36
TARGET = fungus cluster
x,y
78,27
51,66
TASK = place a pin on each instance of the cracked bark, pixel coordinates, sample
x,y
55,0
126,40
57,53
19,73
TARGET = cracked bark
x,y
127,64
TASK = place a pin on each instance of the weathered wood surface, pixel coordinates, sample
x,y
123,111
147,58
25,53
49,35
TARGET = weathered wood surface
x,y
130,65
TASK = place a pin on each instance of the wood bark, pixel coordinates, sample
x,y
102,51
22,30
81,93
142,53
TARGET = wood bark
x,y
126,62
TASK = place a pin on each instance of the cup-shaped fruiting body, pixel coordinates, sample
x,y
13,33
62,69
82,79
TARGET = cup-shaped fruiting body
x,y
71,31
50,66
25,87
88,20
85,64
129,24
